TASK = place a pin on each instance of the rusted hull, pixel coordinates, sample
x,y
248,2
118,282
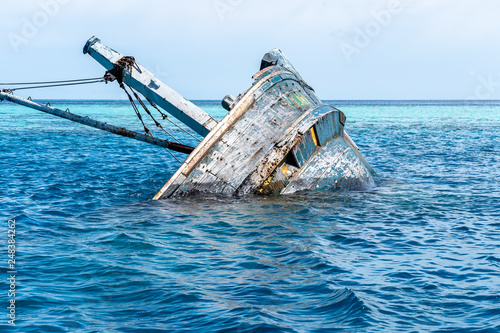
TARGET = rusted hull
x,y
277,138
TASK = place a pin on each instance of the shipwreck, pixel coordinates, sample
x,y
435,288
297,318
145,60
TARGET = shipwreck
x,y
278,137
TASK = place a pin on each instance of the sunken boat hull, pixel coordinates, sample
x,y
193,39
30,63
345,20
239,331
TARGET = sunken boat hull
x,y
278,138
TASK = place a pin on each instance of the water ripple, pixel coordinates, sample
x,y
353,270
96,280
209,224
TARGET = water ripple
x,y
417,253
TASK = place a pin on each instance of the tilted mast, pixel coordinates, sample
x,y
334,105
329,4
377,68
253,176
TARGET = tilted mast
x,y
126,70
8,96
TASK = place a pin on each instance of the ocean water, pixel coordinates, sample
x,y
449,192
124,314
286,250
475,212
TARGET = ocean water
x,y
420,252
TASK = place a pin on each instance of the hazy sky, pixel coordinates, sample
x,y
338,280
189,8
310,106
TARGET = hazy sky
x,y
205,49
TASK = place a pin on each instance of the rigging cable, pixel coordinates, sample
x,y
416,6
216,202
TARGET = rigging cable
x,y
134,106
149,113
57,85
165,117
171,154
140,117
48,82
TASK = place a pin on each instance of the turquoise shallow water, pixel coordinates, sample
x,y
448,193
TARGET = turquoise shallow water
x,y
418,253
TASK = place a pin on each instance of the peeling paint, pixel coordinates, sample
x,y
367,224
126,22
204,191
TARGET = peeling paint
x,y
269,129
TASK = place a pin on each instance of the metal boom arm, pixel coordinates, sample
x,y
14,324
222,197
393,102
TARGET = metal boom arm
x,y
96,124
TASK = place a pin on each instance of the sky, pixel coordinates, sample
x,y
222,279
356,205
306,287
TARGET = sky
x,y
206,49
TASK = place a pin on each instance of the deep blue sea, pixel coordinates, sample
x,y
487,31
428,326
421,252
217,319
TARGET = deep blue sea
x,y
420,252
